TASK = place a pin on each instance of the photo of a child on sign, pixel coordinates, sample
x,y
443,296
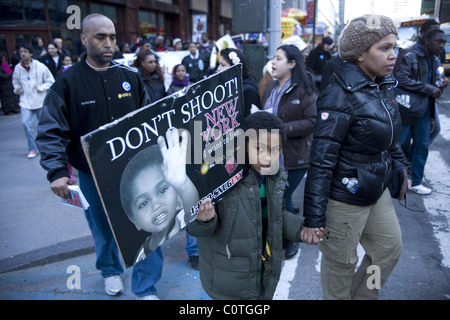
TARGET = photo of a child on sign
x,y
156,192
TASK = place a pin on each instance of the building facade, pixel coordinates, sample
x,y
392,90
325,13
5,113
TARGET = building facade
x,y
30,20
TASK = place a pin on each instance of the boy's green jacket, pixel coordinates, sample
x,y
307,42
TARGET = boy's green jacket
x,y
233,258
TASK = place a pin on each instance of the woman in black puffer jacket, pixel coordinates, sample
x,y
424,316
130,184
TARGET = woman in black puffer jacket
x,y
356,133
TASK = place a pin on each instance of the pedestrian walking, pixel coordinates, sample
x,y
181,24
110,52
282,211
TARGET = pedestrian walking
x,y
194,63
240,238
230,57
177,44
426,27
9,101
292,97
180,80
267,70
416,75
318,57
53,59
354,153
66,63
31,81
89,94
150,74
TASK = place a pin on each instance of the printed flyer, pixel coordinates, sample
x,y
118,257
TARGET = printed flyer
x,y
154,166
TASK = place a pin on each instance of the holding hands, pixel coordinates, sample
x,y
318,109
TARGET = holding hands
x,y
206,212
312,235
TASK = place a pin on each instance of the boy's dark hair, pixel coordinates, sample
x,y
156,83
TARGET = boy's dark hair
x,y
28,47
265,120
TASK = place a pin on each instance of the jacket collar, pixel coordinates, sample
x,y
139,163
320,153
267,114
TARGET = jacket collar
x,y
95,73
352,78
291,87
253,176
419,50
274,83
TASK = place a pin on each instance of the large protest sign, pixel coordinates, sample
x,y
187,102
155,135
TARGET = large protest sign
x,y
151,178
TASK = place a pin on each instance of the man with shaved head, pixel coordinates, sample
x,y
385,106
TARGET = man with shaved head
x,y
90,94
98,36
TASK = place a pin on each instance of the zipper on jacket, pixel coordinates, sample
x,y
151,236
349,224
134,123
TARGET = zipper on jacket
x,y
230,256
387,111
392,124
392,138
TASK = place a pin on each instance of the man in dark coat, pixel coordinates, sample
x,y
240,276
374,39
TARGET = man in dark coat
x,y
318,57
10,103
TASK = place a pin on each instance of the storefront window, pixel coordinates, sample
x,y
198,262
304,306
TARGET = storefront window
x,y
71,41
57,13
22,13
161,22
108,11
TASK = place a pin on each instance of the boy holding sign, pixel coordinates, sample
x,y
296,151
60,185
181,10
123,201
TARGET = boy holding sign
x,y
240,239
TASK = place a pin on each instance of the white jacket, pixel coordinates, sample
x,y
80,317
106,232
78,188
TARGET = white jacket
x,y
30,97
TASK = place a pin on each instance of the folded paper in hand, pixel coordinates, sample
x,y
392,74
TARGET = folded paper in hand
x,y
78,200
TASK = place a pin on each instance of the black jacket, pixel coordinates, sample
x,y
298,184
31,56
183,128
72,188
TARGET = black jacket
x,y
251,95
356,133
195,67
317,59
50,64
79,102
155,89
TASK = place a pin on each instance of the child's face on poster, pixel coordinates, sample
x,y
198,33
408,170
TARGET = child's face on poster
x,y
154,204
264,152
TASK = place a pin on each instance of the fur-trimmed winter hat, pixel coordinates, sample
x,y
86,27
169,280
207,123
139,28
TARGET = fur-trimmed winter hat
x,y
361,33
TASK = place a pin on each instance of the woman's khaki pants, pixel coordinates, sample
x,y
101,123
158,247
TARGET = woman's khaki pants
x,y
376,227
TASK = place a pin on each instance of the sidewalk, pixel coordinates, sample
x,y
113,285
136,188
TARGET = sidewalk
x,y
40,238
